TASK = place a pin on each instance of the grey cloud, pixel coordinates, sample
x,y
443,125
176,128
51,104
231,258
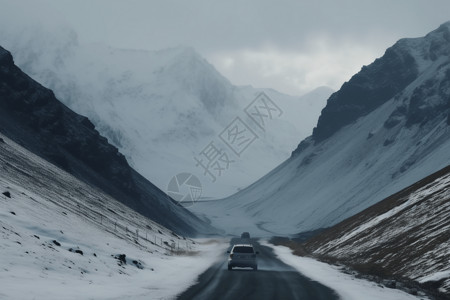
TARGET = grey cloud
x,y
234,27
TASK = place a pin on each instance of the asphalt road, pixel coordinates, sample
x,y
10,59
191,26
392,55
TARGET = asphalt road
x,y
273,280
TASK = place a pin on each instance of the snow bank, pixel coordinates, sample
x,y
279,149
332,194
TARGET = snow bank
x,y
347,287
435,276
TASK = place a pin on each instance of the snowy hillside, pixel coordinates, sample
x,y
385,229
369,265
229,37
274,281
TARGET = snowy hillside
x,y
383,130
161,108
63,239
403,236
32,116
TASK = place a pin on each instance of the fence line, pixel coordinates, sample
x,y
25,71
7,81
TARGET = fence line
x,y
171,244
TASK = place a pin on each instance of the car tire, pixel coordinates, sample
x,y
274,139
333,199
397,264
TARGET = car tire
x,y
255,268
230,268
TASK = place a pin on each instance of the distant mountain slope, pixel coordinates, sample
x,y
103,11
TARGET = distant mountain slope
x,y
161,108
407,235
385,129
31,115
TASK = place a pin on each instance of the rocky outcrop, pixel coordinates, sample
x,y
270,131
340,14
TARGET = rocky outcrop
x,y
386,78
371,87
62,132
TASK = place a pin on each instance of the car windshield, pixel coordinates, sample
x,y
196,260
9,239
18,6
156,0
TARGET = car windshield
x,y
243,250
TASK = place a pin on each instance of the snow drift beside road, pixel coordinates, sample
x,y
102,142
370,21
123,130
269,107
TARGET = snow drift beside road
x,y
347,286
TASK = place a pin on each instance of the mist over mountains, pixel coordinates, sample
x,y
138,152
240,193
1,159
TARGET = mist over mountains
x,y
162,108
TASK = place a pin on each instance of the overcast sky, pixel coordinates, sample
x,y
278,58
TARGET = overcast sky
x,y
292,46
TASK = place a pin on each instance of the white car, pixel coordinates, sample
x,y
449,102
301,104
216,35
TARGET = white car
x,y
242,255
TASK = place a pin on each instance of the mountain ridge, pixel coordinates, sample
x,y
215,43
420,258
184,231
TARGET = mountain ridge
x,y
380,81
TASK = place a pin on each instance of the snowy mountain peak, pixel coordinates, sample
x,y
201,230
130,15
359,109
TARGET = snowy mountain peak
x,y
200,78
185,54
429,48
370,88
387,76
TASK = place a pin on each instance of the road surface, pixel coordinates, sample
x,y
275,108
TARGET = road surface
x,y
273,280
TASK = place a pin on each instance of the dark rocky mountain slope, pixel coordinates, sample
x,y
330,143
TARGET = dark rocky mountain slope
x,y
387,77
32,116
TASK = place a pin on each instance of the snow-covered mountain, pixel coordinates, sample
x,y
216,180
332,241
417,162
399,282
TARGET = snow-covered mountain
x,y
386,128
403,236
31,115
161,108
